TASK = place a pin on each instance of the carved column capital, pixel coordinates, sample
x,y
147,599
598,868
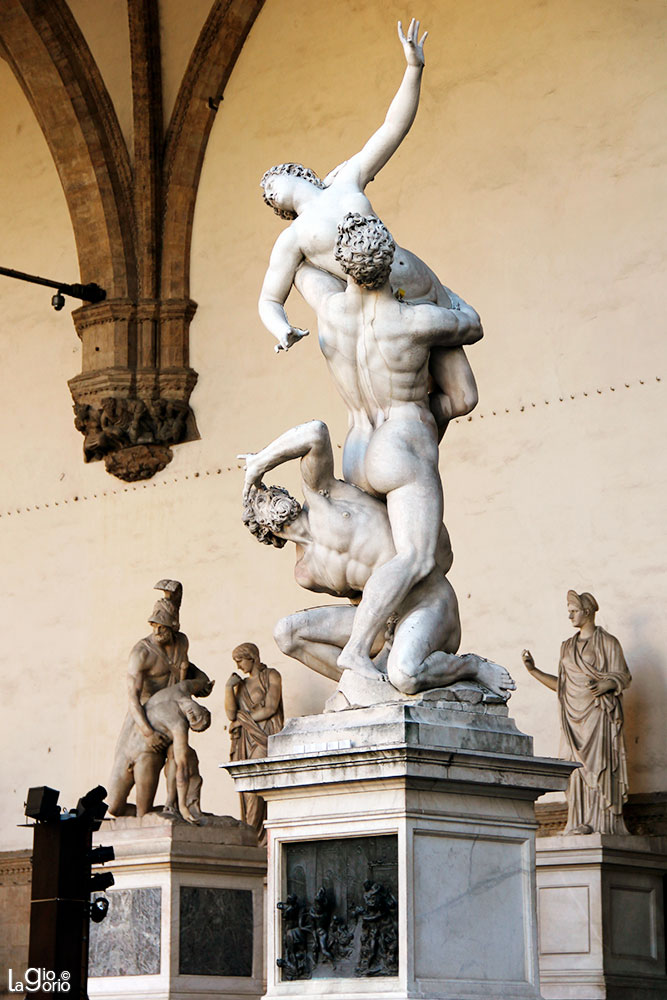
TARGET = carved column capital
x,y
129,405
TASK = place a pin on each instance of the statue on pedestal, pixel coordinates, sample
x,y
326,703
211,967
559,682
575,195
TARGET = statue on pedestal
x,y
592,673
171,712
161,681
254,706
393,339
378,350
158,659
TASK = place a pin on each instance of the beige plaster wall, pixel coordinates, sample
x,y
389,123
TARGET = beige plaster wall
x,y
533,182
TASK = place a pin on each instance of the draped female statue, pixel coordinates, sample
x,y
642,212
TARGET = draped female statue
x,y
592,674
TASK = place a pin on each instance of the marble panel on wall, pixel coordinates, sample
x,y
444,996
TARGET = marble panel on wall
x,y
459,881
216,931
564,916
633,921
127,941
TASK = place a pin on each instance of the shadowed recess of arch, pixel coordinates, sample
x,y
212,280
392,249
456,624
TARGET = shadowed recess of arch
x,y
53,64
212,61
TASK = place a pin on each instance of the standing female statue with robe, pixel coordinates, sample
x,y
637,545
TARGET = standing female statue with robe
x,y
592,673
254,706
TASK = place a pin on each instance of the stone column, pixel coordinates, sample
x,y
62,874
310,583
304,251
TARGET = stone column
x,y
401,843
601,917
186,912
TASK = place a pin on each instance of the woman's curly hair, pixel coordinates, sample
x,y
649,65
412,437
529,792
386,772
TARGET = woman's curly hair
x,y
293,170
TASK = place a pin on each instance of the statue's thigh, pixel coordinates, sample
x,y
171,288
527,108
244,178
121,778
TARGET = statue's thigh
x,y
331,624
417,635
147,769
402,464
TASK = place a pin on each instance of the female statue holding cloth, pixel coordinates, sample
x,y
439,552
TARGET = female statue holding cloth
x,y
592,673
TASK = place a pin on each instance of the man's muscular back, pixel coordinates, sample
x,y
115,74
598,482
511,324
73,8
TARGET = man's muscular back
x,y
373,334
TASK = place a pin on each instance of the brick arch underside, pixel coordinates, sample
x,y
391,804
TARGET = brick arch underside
x,y
54,66
209,69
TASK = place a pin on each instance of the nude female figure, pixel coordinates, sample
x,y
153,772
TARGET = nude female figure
x,y
318,207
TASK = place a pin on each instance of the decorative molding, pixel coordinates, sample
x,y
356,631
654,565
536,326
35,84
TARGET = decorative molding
x,y
138,462
644,814
15,867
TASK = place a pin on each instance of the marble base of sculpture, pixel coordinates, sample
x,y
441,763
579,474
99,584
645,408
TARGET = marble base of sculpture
x,y
601,917
186,912
401,845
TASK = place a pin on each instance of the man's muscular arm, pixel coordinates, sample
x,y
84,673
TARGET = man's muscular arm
x,y
310,442
285,259
185,663
437,326
364,165
136,671
316,285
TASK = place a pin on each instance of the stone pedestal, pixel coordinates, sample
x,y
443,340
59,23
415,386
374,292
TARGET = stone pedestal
x,y
186,912
403,835
601,917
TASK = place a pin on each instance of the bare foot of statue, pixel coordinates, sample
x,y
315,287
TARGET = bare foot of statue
x,y
359,664
583,828
495,678
189,817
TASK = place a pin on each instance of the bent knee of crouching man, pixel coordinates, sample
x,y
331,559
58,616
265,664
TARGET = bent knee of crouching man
x,y
284,635
404,676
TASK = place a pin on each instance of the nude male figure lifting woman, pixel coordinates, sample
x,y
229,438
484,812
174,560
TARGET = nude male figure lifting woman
x,y
318,207
378,350
342,536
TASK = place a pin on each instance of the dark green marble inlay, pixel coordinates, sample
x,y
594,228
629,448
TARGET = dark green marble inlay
x,y
216,932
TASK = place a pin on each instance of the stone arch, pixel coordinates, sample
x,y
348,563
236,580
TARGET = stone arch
x,y
54,66
132,224
212,61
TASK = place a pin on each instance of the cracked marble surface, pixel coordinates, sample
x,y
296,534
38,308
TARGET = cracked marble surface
x,y
127,942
